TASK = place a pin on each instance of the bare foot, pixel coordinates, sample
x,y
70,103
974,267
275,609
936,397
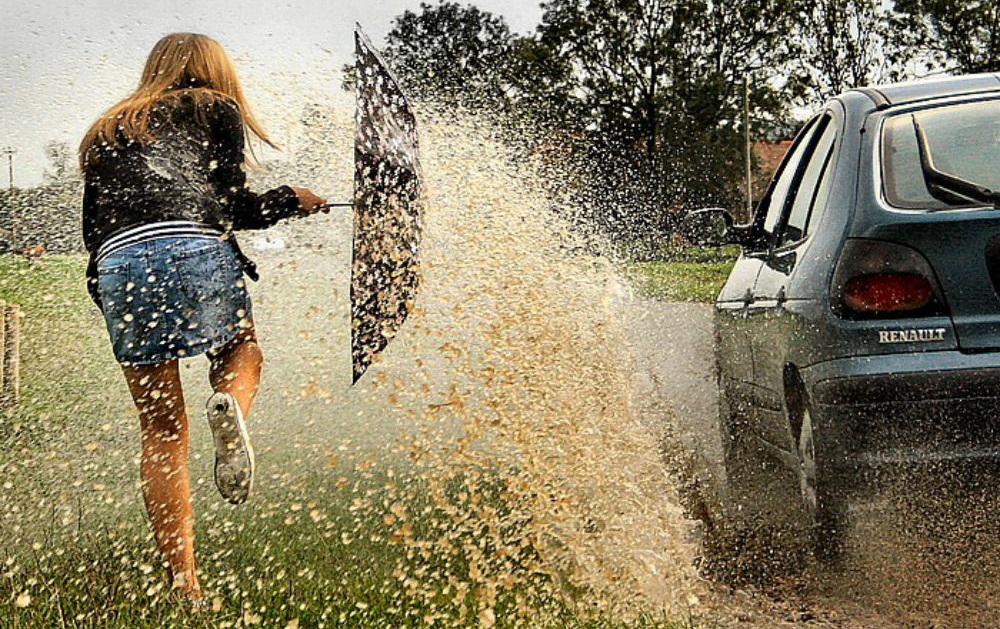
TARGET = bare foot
x,y
187,588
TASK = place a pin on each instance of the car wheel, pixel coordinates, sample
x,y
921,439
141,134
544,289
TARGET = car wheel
x,y
807,465
821,491
762,538
784,513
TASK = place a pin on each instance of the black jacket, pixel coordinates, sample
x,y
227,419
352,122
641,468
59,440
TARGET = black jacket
x,y
192,171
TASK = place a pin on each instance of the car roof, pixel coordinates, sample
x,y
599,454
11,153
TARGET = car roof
x,y
885,96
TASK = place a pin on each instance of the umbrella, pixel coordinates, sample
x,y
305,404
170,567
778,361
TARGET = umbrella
x,y
388,208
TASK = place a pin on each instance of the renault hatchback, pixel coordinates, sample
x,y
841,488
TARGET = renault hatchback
x,y
860,326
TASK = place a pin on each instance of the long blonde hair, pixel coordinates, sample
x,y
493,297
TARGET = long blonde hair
x,y
179,64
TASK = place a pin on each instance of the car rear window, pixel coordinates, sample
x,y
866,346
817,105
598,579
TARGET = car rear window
x,y
964,141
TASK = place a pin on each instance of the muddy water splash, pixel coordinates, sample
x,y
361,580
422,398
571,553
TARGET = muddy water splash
x,y
536,374
491,469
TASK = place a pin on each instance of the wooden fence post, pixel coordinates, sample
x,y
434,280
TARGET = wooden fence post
x,y
3,348
10,391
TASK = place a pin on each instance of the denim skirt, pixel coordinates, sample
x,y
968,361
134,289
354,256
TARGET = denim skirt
x,y
172,298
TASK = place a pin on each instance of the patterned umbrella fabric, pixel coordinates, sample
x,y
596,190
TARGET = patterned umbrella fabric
x,y
388,209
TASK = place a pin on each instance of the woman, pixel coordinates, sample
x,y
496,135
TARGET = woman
x,y
165,189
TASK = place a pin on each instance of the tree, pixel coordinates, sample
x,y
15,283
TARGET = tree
x,y
654,87
963,35
62,165
47,214
634,62
452,53
642,99
844,44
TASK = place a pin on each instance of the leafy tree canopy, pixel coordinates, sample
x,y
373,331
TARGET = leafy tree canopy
x,y
843,44
960,34
452,53
635,63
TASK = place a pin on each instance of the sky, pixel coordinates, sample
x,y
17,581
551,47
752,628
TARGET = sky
x,y
64,63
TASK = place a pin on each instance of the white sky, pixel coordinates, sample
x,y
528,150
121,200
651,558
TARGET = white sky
x,y
63,63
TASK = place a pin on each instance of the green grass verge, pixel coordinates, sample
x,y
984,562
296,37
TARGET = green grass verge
x,y
679,281
65,355
52,287
315,548
690,253
321,564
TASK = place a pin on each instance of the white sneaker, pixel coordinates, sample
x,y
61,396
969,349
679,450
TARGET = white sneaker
x,y
233,452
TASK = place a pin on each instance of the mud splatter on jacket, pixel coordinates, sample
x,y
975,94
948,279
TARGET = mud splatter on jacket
x,y
191,173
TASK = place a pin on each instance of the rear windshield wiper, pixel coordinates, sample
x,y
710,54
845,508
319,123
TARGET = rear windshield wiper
x,y
946,187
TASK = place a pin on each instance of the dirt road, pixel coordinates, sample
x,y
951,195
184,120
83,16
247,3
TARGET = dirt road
x,y
922,551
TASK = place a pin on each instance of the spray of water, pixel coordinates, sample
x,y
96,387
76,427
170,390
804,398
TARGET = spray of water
x,y
491,469
526,434
494,468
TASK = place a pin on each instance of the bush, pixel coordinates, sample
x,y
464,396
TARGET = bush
x,y
47,215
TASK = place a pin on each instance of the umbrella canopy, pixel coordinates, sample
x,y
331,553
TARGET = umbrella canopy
x,y
388,208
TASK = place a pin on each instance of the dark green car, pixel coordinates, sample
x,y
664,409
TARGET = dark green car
x,y
860,327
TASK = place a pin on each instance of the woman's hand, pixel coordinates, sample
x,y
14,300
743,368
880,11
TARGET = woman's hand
x,y
309,203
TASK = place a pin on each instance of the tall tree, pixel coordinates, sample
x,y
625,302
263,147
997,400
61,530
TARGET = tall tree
x,y
963,35
452,53
636,62
843,44
655,87
62,166
643,97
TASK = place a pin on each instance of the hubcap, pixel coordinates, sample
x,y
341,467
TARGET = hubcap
x,y
807,464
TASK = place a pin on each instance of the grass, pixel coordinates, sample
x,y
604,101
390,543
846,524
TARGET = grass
x,y
683,273
325,568
679,281
337,545
689,253
64,349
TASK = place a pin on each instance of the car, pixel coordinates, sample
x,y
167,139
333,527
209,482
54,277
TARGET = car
x,y
859,328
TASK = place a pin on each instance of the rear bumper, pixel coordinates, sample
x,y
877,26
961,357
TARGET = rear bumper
x,y
908,409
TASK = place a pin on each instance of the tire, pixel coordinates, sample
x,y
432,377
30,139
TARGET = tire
x,y
782,515
761,540
822,487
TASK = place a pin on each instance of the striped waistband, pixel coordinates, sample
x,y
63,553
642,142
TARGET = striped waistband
x,y
152,231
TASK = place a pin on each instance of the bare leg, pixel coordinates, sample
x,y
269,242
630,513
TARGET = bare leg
x,y
166,488
236,369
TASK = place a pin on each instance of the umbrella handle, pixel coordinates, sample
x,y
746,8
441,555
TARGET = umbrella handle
x,y
333,205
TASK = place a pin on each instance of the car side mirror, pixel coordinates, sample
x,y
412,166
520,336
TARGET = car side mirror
x,y
710,227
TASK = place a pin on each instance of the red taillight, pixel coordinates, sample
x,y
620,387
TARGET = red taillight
x,y
875,279
887,292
